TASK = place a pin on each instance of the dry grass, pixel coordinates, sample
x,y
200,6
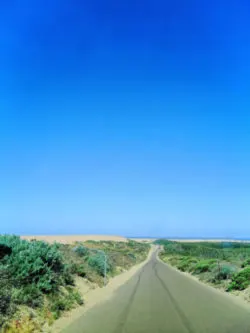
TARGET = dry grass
x,y
70,239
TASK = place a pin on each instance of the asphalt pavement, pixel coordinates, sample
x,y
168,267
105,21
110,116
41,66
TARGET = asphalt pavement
x,y
159,299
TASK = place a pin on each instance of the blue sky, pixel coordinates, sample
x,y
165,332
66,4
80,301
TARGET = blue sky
x,y
125,117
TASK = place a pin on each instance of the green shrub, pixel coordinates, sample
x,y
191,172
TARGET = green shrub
x,y
226,272
35,263
186,263
241,280
98,263
6,305
204,266
29,295
246,263
81,270
78,269
64,301
81,250
132,256
67,275
75,296
223,272
5,301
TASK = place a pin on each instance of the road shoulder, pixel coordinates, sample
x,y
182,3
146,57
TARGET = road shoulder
x,y
93,297
231,297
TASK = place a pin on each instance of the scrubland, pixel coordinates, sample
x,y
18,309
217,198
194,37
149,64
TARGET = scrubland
x,y
38,279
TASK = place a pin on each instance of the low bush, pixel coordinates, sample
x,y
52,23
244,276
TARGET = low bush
x,y
28,272
246,263
241,280
34,263
29,295
81,250
6,305
64,301
226,272
223,272
97,262
132,256
204,266
79,269
187,264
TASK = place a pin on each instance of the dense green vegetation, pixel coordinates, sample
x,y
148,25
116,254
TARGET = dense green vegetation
x,y
224,264
37,279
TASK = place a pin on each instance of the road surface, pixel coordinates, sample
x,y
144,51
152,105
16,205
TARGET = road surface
x,y
158,299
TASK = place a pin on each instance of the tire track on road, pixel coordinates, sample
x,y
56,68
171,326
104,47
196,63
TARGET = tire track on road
x,y
181,314
124,316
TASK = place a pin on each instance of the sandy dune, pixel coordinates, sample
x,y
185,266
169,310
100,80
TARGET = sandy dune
x,y
147,240
69,239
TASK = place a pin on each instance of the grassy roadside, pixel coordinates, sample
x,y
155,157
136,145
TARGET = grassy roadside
x,y
37,279
221,264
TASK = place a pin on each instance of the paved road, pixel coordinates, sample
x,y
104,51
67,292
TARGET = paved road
x,y
159,299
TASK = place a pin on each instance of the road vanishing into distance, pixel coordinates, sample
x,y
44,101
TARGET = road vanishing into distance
x,y
159,299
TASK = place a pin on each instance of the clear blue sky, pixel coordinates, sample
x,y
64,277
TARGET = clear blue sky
x,y
125,117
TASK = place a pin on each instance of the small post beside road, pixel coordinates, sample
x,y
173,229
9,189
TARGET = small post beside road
x,y
105,269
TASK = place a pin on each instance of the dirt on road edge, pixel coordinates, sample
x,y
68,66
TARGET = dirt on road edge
x,y
96,296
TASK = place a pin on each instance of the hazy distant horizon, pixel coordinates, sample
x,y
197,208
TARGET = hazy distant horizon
x,y
143,237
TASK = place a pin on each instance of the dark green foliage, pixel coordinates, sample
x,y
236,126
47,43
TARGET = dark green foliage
x,y
204,266
64,301
5,300
67,277
81,270
241,280
28,272
5,291
35,263
6,305
78,269
29,295
67,299
246,263
4,251
186,264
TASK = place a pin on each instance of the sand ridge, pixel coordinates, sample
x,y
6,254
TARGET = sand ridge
x,y
70,239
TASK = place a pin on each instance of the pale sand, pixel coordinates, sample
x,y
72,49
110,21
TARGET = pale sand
x,y
96,296
144,240
69,239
